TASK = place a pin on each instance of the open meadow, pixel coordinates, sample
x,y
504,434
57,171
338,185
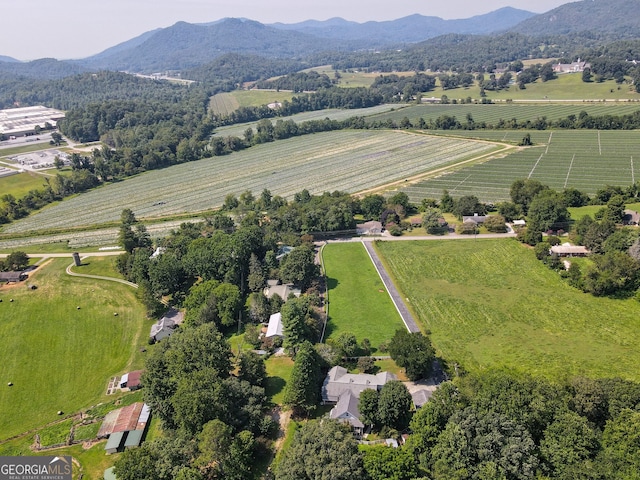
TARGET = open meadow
x,y
490,303
349,161
59,357
358,300
582,159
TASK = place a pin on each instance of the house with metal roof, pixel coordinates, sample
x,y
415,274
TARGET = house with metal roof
x,y
131,381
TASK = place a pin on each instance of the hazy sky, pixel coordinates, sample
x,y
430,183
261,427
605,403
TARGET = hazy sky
x,y
65,29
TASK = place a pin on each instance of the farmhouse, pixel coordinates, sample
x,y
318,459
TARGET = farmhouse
x,y
12,277
346,410
344,388
20,122
125,427
131,381
475,218
274,329
567,250
574,67
369,228
166,325
274,287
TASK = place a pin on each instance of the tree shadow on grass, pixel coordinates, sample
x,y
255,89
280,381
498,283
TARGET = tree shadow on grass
x,y
274,385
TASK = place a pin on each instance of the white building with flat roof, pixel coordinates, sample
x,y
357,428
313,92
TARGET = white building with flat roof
x,y
20,122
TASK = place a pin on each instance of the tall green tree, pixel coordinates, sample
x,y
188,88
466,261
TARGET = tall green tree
x,y
413,352
303,389
321,450
394,405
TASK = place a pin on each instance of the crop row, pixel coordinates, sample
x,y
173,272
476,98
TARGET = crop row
x,y
586,160
348,161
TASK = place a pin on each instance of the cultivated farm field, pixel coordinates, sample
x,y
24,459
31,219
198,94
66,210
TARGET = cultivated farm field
x,y
223,104
358,300
582,159
490,303
60,357
349,161
493,113
339,114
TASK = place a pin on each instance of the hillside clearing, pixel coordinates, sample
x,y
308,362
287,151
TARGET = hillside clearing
x,y
61,357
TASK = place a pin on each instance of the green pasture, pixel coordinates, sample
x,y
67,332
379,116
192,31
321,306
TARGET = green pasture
x,y
59,357
358,300
349,160
278,373
584,159
493,113
566,87
20,184
490,303
257,98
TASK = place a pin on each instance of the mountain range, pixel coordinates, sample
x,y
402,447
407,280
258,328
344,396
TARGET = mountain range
x,y
184,46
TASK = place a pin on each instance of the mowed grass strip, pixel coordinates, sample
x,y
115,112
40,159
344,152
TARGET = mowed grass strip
x,y
490,303
358,300
59,357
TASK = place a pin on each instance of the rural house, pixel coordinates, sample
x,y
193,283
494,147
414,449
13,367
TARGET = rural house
x,y
575,67
475,218
274,287
346,410
567,250
369,228
166,325
344,388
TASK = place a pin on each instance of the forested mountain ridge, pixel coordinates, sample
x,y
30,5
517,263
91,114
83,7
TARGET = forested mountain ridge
x,y
619,17
410,29
185,45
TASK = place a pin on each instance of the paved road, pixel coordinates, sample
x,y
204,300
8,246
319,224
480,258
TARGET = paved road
x,y
407,318
69,255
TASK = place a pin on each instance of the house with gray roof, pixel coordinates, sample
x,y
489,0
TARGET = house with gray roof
x,y
344,388
274,329
339,380
346,410
274,287
166,325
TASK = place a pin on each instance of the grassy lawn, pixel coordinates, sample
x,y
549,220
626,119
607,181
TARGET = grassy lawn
x,y
20,184
358,301
279,372
578,212
102,266
490,303
60,357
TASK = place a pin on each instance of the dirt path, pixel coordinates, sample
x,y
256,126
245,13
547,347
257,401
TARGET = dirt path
x,y
283,418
